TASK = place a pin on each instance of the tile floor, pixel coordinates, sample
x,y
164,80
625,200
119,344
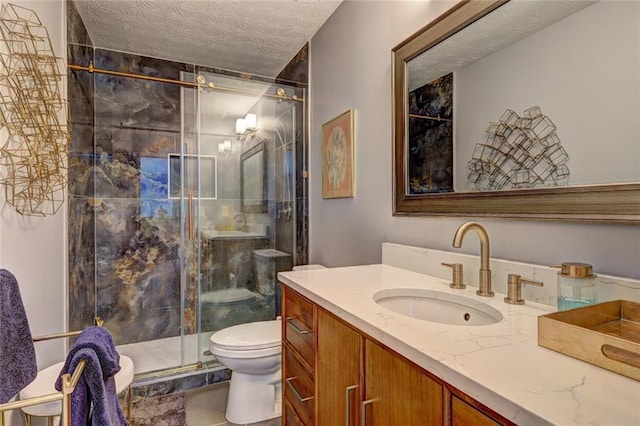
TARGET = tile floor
x,y
205,407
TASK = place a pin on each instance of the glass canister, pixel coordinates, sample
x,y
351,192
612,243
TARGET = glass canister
x,y
576,285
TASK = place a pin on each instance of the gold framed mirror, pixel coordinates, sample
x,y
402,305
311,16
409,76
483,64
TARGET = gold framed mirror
x,y
568,198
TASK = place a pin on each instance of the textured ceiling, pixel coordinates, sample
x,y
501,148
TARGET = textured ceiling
x,y
252,36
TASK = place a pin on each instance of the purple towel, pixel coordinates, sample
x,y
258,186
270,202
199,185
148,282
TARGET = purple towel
x,y
17,356
94,401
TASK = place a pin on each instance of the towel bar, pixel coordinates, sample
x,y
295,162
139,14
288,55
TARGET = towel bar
x,y
44,384
69,383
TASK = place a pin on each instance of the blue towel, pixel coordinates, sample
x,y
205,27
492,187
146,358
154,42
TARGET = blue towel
x,y
17,356
94,401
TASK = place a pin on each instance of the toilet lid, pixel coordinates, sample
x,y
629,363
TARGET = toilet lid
x,y
249,336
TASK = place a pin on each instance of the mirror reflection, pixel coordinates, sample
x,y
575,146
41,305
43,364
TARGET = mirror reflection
x,y
195,168
512,102
252,179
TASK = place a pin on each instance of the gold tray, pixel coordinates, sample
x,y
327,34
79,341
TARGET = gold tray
x,y
605,334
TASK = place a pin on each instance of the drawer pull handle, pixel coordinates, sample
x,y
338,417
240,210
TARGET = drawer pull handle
x,y
348,400
295,391
621,355
292,320
363,411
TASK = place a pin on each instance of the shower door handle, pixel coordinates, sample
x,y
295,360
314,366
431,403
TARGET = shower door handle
x,y
190,215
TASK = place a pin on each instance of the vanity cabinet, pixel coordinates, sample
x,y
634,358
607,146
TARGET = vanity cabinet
x,y
340,350
298,359
334,374
463,414
398,392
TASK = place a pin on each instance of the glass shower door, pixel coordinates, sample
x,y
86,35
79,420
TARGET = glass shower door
x,y
246,204
187,185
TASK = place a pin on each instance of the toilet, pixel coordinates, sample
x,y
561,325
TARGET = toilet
x,y
252,352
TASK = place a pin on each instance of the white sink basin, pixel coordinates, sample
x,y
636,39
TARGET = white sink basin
x,y
436,306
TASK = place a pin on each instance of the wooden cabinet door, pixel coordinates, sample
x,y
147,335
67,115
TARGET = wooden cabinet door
x,y
290,418
463,414
400,393
338,371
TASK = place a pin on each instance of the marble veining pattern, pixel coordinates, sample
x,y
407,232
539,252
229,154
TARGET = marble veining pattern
x,y
137,233
76,31
124,237
164,385
165,410
80,89
297,72
500,365
81,232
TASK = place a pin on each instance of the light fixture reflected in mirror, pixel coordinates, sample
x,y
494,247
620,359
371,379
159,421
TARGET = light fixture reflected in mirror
x,y
250,121
246,127
241,126
224,148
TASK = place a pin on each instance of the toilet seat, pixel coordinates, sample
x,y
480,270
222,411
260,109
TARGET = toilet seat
x,y
259,336
244,354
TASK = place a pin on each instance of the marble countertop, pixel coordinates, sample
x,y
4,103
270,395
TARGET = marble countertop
x,y
500,365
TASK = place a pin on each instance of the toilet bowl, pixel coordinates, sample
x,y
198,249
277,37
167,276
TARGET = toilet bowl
x,y
252,352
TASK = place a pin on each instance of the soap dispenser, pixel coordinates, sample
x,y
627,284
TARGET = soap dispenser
x,y
576,285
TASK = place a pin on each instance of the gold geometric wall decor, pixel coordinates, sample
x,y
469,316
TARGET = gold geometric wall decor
x,y
519,152
34,155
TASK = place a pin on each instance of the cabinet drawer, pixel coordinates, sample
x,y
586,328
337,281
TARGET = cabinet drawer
x,y
298,325
298,388
464,414
290,417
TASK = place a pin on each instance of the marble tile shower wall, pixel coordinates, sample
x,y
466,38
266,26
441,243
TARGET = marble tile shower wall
x,y
295,73
123,262
81,238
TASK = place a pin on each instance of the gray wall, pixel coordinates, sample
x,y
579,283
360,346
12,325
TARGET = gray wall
x,y
541,70
350,67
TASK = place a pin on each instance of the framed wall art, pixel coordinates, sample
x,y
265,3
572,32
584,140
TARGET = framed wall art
x,y
338,156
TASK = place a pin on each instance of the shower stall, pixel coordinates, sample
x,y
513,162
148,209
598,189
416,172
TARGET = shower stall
x,y
184,203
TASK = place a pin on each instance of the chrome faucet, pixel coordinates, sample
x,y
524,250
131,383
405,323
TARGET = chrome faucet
x,y
485,272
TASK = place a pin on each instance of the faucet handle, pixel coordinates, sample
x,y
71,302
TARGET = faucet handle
x,y
514,288
457,275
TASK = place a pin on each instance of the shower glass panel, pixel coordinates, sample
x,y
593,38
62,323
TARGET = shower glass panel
x,y
242,154
188,184
179,218
125,226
